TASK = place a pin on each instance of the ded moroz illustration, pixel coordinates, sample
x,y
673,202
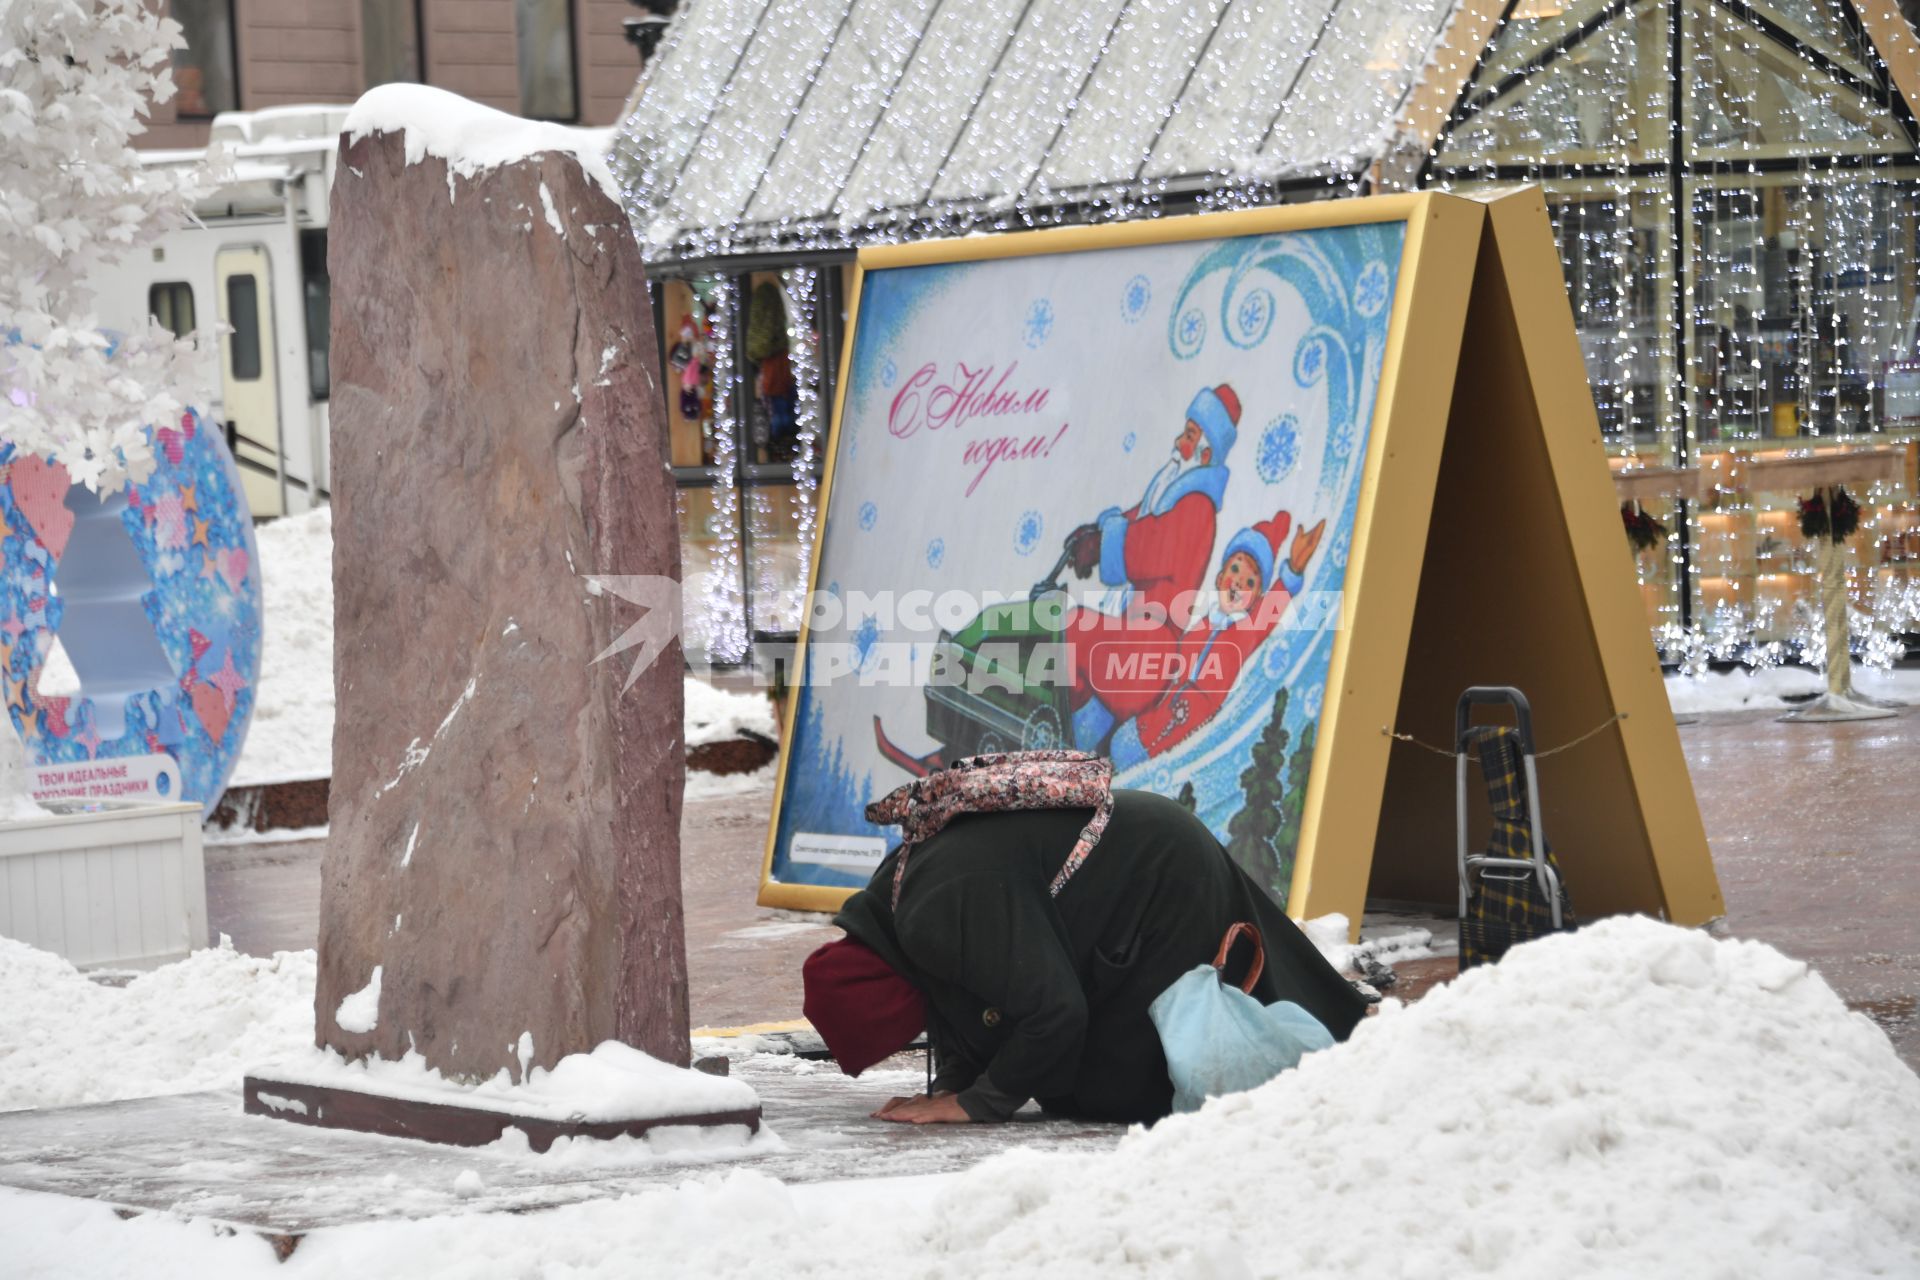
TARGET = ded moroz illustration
x,y
1006,407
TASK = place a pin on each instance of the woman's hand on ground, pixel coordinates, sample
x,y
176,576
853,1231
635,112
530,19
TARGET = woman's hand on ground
x,y
939,1108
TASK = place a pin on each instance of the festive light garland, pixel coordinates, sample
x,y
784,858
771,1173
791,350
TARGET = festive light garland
x,y
726,607
1733,189
802,287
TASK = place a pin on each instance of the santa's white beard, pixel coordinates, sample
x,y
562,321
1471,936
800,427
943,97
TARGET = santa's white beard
x,y
1172,470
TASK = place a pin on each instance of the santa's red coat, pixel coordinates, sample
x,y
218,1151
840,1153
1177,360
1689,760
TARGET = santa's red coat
x,y
1124,660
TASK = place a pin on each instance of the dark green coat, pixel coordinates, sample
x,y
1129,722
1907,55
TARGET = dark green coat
x,y
1031,996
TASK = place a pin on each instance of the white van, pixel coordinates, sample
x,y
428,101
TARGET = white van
x,y
258,263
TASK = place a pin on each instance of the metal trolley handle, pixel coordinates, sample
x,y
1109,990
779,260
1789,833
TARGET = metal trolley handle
x,y
1494,695
1515,868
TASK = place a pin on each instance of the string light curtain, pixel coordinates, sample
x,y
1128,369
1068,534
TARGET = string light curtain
x,y
810,126
1734,184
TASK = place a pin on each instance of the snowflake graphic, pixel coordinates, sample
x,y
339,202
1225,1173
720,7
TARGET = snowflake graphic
x,y
866,637
1340,446
1309,361
936,553
1026,533
1193,329
1039,322
1370,290
1126,445
1310,701
1337,549
1135,299
1254,311
868,514
888,372
1279,449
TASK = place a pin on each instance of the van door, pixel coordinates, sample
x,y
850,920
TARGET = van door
x,y
243,287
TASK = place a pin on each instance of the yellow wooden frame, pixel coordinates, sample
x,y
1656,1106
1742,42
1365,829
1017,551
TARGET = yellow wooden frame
x,y
1482,389
1649,746
1527,581
1409,418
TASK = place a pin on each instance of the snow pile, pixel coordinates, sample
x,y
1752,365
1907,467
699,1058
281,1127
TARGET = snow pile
x,y
1771,688
614,1082
197,1024
715,715
472,138
1328,934
291,735
727,786
1630,1100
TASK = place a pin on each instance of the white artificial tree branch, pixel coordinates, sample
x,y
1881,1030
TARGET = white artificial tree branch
x,y
75,77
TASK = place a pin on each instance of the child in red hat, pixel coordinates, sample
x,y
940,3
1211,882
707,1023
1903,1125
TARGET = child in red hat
x,y
1253,590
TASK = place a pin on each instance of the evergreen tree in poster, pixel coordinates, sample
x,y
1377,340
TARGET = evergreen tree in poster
x,y
836,800
1291,805
1252,833
1186,797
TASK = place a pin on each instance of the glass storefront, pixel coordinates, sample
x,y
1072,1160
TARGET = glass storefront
x,y
1743,277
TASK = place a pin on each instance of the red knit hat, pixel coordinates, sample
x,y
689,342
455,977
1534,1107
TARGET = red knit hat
x,y
1230,400
862,1008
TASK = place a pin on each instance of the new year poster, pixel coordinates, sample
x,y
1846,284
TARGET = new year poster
x,y
1099,499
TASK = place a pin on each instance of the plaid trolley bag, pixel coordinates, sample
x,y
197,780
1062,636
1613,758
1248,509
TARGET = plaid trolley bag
x,y
1512,892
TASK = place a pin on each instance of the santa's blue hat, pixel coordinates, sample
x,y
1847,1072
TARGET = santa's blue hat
x,y
1262,543
1217,412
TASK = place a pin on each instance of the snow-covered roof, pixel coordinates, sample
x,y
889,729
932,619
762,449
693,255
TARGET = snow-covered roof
x,y
821,123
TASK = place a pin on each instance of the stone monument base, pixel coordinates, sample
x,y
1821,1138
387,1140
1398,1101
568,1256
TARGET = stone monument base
x,y
333,1106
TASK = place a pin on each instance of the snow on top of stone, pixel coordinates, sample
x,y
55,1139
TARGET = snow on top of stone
x,y
614,1082
470,137
360,1010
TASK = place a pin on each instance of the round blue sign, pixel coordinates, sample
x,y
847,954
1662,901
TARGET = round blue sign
x,y
154,593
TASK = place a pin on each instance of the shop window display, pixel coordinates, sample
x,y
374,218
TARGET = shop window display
x,y
1744,283
688,325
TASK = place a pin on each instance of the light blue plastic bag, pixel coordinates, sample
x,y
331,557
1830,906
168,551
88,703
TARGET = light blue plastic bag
x,y
1220,1040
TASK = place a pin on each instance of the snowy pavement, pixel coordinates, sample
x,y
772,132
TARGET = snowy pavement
x,y
1631,1100
197,1154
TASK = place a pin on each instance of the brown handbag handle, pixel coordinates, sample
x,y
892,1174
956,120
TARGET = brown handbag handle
x,y
1234,934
